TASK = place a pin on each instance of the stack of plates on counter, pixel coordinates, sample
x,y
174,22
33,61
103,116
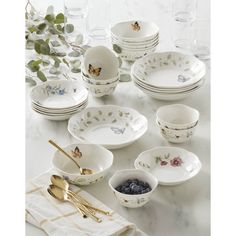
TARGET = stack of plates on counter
x,y
59,100
134,39
168,75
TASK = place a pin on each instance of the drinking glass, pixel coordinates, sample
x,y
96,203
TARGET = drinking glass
x,y
201,42
183,14
76,12
99,19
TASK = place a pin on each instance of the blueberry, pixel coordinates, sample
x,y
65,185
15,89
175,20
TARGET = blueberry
x,y
126,184
127,190
146,185
141,182
129,181
118,188
135,188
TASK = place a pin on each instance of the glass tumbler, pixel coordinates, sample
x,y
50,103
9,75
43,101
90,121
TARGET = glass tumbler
x,y
99,19
183,15
201,42
76,12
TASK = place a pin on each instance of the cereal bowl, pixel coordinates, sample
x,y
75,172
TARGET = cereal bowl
x,y
176,135
177,116
100,63
132,200
100,90
94,157
135,31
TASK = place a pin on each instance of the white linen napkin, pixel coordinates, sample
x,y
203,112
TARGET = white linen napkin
x,y
61,218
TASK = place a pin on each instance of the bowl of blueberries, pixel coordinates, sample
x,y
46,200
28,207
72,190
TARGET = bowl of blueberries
x,y
133,187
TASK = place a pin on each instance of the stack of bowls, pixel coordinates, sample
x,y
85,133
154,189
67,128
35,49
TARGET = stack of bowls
x,y
100,71
134,39
168,75
59,100
177,122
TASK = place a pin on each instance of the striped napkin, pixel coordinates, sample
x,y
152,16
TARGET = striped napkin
x,y
57,218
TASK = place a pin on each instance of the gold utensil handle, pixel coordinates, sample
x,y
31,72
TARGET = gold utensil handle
x,y
63,151
87,204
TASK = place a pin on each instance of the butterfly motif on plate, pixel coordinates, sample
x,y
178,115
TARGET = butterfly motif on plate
x,y
136,26
76,152
94,71
118,130
182,78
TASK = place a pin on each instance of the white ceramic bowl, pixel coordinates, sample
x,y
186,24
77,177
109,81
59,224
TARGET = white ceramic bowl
x,y
94,157
170,165
177,116
177,122
101,57
128,200
99,82
100,90
59,94
126,32
111,126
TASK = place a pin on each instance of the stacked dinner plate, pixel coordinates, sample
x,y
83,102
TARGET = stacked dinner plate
x,y
168,75
134,39
59,100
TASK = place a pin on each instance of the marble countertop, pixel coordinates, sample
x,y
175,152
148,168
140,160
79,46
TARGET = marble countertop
x,y
181,210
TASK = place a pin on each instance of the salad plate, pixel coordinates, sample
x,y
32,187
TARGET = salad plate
x,y
59,94
110,126
169,70
170,165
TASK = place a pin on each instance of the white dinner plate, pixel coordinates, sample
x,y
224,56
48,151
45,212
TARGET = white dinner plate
x,y
111,126
169,70
170,165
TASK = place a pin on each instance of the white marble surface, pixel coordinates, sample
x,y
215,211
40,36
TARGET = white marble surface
x,y
173,211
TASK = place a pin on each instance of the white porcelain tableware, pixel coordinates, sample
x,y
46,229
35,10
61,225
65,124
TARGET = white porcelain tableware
x,y
170,165
111,126
94,157
100,63
169,70
177,116
59,94
100,90
177,122
135,31
134,200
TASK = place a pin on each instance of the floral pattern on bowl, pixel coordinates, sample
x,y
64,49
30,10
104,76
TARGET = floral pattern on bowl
x,y
171,165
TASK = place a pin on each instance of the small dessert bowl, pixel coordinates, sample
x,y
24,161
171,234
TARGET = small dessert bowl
x,y
100,63
132,200
177,116
100,90
90,156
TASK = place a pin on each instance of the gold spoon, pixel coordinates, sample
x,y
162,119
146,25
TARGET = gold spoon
x,y
62,195
63,184
83,171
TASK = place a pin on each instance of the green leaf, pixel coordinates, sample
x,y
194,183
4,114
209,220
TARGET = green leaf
x,y
33,65
42,26
74,54
57,62
125,78
32,29
41,47
66,62
69,28
29,44
116,48
75,70
59,19
60,28
30,81
50,18
41,76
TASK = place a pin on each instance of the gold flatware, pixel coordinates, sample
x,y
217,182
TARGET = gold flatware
x,y
62,195
63,184
83,171
58,197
